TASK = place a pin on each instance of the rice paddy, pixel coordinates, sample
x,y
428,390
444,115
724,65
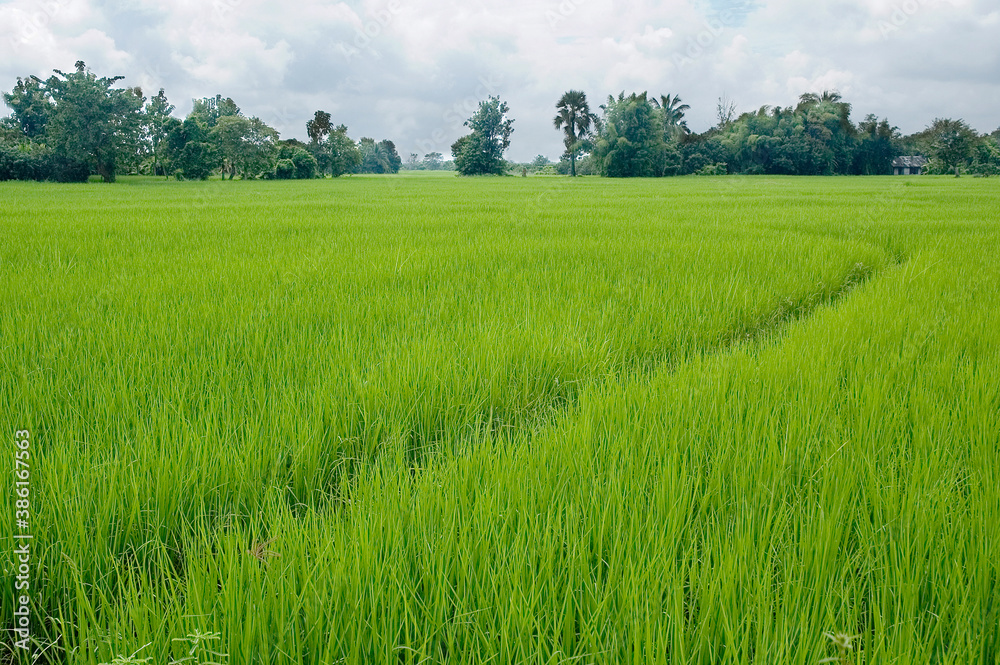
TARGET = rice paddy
x,y
426,419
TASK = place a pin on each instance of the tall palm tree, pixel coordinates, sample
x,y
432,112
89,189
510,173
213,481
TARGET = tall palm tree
x,y
673,110
576,120
832,97
814,98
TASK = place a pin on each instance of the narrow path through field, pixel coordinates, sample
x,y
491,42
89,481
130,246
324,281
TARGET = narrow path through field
x,y
761,330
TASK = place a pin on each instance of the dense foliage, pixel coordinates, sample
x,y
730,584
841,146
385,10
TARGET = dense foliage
x,y
953,144
640,136
335,152
481,151
33,162
78,117
380,157
77,124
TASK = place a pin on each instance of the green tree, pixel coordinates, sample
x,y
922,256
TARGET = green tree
x,y
388,148
284,169
464,152
295,161
816,137
344,155
189,149
631,143
986,157
319,127
574,117
31,107
156,115
208,110
672,116
92,121
305,164
378,157
258,148
814,98
229,137
333,149
372,159
951,142
433,161
876,147
198,160
481,152
10,134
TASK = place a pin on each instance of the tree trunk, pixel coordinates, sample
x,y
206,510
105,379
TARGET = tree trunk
x,y
106,171
572,163
156,161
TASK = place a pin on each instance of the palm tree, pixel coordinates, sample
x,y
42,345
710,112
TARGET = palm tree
x,y
673,110
576,120
832,97
814,98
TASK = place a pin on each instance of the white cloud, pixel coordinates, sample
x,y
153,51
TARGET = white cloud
x,y
404,69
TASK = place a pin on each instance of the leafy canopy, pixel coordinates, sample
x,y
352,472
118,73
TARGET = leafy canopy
x,y
481,152
91,120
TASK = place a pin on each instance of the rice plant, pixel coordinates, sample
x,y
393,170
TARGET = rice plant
x,y
722,420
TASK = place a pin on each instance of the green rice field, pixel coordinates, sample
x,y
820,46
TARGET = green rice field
x,y
429,419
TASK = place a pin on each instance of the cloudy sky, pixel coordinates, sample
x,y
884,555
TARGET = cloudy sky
x,y
413,70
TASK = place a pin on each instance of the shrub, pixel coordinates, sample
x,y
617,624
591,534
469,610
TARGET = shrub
x,y
696,162
712,169
65,169
35,163
284,169
986,159
305,165
198,160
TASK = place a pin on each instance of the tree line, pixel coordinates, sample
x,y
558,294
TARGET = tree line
x,y
75,124
642,136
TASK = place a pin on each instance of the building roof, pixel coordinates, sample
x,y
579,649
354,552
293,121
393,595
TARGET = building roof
x,y
910,162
